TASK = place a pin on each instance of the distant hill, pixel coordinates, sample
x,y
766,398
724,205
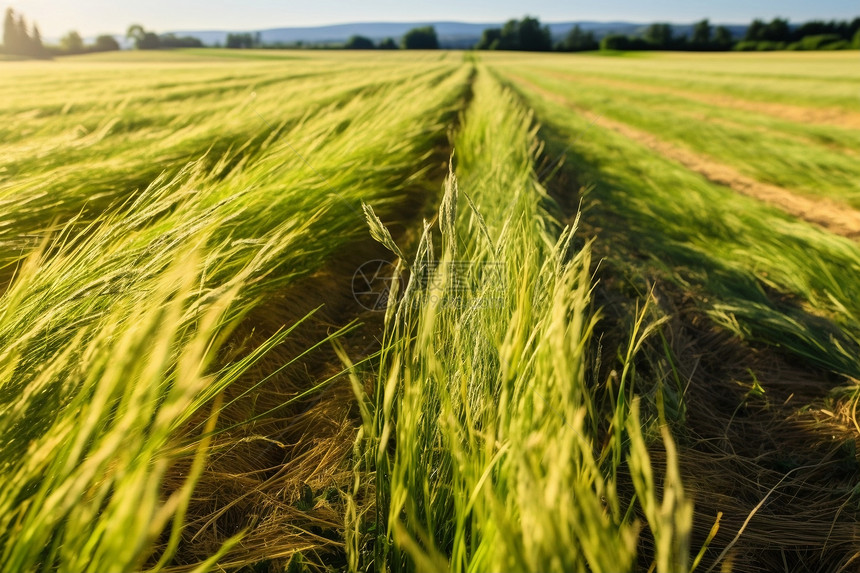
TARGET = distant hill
x,y
451,34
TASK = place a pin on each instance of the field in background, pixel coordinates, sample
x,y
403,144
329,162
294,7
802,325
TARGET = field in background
x,y
622,327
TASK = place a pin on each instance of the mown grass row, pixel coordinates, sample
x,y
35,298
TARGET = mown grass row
x,y
765,275
802,156
492,445
112,327
758,357
813,80
91,156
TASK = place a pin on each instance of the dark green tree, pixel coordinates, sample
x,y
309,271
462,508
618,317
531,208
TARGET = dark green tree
x,y
854,27
72,43
533,37
490,39
526,34
774,33
22,36
659,36
723,38
423,38
818,34
701,34
233,41
813,28
755,31
173,41
11,43
359,43
36,43
777,31
578,41
143,40
615,42
106,43
150,41
245,40
135,33
18,41
387,44
510,36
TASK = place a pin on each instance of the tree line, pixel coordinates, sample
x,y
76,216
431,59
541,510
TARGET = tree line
x,y
816,35
21,40
760,36
528,35
421,38
147,40
661,36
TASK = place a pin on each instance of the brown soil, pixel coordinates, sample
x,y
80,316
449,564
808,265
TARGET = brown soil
x,y
835,217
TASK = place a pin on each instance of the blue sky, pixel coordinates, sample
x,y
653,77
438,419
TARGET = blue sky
x,y
90,17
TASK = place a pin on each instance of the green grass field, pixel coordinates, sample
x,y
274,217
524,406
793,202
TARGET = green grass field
x,y
429,311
